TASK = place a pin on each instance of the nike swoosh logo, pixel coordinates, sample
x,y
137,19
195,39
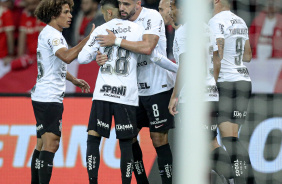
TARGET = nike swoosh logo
x,y
159,126
50,165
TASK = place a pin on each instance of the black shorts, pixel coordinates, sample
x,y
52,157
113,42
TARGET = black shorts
x,y
101,119
153,112
48,117
209,126
233,101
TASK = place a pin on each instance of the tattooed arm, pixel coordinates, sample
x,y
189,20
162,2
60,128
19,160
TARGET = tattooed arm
x,y
217,57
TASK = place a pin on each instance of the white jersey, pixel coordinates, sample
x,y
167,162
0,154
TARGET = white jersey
x,y
117,78
211,93
51,80
234,31
152,79
179,42
179,47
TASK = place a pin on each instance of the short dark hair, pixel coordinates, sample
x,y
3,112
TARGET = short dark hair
x,y
114,3
49,8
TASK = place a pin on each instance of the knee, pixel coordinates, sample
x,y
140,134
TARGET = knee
x,y
228,129
52,146
159,139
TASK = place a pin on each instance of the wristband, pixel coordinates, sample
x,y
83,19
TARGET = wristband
x,y
118,41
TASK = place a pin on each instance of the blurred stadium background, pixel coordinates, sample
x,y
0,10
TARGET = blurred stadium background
x,y
261,134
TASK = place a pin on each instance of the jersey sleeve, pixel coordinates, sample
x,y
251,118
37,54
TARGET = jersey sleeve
x,y
55,41
89,51
217,27
182,40
154,24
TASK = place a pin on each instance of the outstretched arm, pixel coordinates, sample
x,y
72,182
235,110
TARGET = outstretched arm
x,y
83,85
68,55
146,46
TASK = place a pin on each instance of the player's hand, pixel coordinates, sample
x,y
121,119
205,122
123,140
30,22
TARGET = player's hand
x,y
82,84
172,106
101,59
106,40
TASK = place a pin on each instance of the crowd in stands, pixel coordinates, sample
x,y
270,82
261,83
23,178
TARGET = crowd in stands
x,y
19,28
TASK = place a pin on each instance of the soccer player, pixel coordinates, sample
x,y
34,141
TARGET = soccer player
x,y
155,86
47,95
222,164
115,94
234,84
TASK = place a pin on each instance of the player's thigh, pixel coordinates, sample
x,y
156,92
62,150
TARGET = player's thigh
x,y
125,121
100,119
157,110
233,101
48,117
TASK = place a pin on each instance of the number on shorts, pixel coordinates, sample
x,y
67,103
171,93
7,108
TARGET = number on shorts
x,y
155,110
121,65
239,51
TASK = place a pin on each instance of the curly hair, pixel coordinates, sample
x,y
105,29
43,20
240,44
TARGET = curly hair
x,y
49,8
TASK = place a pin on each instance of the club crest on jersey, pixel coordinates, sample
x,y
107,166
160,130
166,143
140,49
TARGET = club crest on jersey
x,y
56,42
114,90
121,30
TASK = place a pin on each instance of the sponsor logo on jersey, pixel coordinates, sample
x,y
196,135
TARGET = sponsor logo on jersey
x,y
93,41
143,86
55,42
114,90
211,89
236,21
62,41
243,71
102,124
221,27
143,63
149,24
39,127
121,30
164,86
49,43
120,127
239,31
141,19
160,27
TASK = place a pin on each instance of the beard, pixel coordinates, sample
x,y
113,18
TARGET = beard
x,y
128,16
